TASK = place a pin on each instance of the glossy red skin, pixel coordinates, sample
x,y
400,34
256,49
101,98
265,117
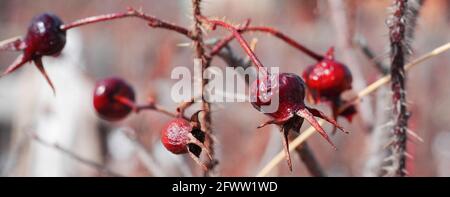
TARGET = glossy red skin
x,y
105,103
291,91
174,136
44,36
327,79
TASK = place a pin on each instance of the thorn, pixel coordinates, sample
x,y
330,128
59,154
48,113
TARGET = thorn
x,y
304,113
406,172
197,142
40,66
414,135
321,115
196,159
287,154
389,158
275,121
409,156
387,145
19,62
185,44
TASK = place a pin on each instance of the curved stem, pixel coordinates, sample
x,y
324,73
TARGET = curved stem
x,y
221,44
286,39
239,37
152,21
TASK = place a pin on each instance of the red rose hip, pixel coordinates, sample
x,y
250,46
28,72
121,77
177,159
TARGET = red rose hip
x,y
113,99
327,80
44,37
289,91
180,136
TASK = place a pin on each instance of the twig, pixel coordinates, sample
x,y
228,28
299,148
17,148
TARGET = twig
x,y
310,161
156,108
286,39
152,21
369,89
99,167
236,33
12,44
272,32
144,154
365,49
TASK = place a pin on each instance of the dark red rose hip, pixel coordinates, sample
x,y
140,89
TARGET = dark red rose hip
x,y
44,38
291,111
113,99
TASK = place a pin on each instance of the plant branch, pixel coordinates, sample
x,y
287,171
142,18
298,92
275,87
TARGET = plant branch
x,y
197,37
369,89
150,106
365,49
12,44
272,32
401,25
310,161
99,167
152,21
238,36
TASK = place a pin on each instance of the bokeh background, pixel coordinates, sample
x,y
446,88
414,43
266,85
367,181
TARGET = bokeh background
x,y
145,57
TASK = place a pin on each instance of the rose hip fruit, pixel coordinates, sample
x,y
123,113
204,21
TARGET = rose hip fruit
x,y
44,38
113,99
291,111
327,80
180,136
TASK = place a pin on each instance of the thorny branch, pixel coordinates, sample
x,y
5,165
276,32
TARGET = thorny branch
x,y
197,37
365,49
399,30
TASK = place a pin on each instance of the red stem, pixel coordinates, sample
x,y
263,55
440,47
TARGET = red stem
x,y
239,37
151,106
287,39
152,21
221,44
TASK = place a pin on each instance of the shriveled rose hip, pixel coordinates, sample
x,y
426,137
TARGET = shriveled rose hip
x,y
181,136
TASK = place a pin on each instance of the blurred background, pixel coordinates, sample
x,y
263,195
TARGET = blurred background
x,y
145,58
